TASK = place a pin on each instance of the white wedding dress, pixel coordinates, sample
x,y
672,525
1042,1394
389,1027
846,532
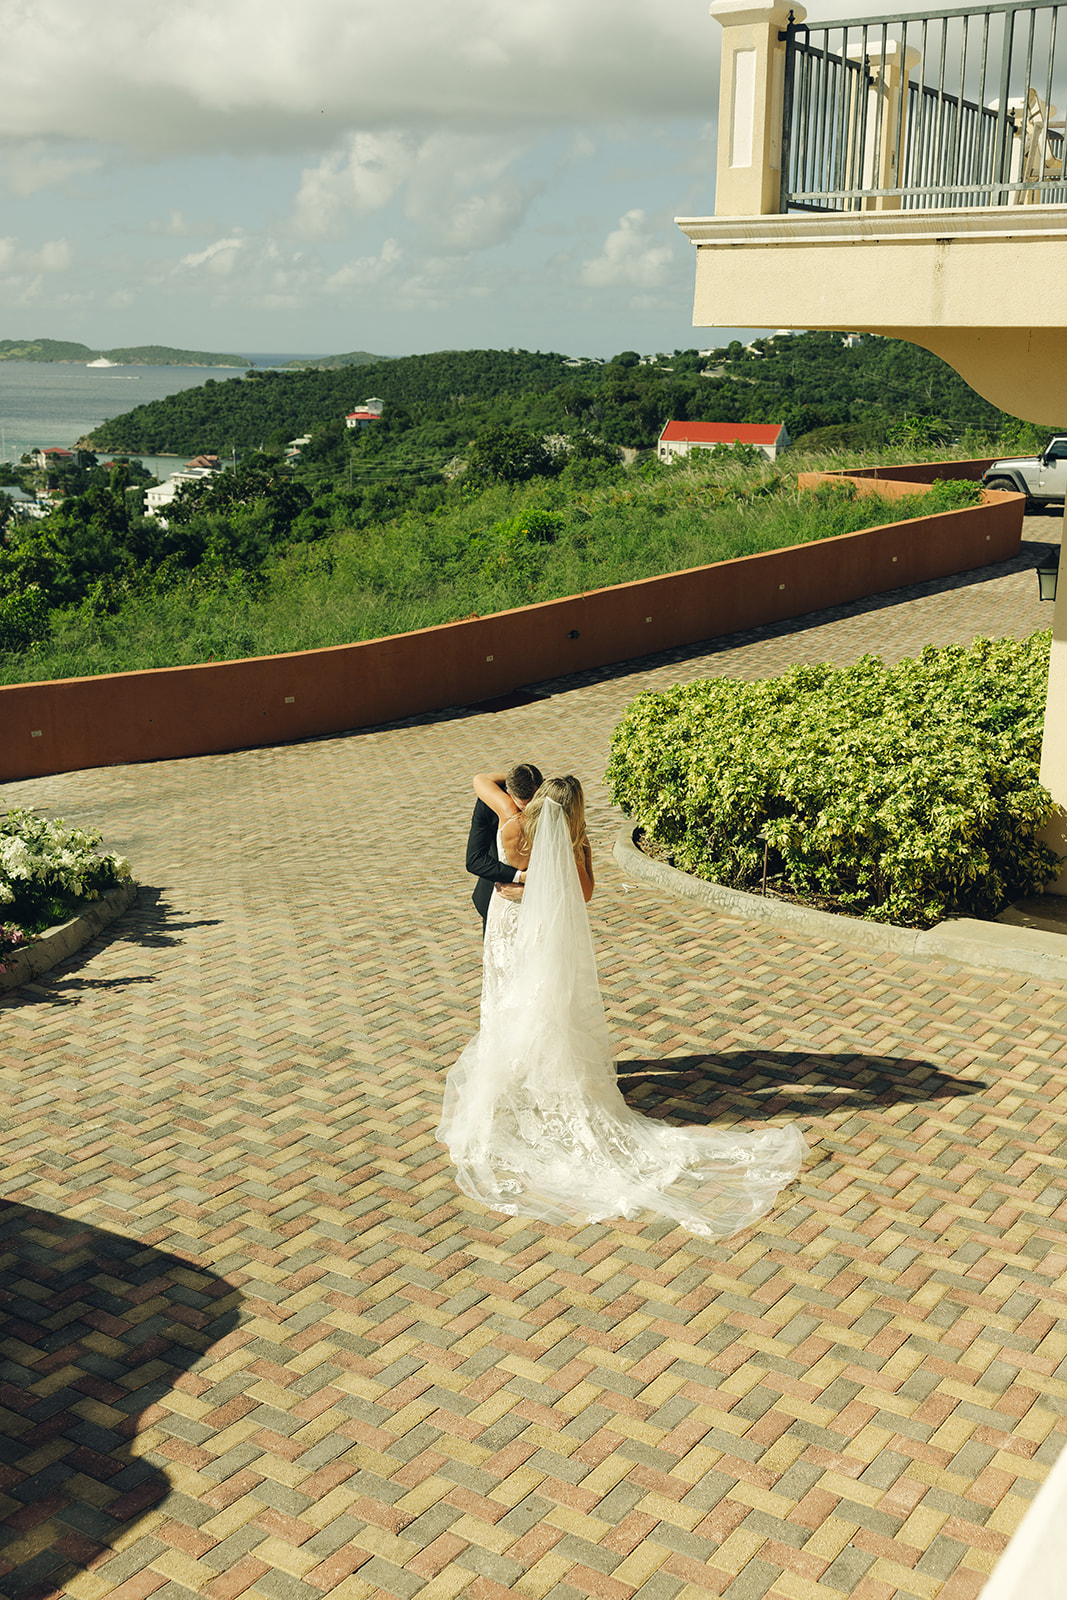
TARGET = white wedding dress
x,y
533,1117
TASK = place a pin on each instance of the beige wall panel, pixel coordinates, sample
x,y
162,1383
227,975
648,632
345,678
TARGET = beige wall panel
x,y
986,306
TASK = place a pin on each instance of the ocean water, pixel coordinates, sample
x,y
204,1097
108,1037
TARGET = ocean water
x,y
45,403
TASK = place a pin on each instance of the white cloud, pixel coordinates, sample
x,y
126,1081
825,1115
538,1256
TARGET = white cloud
x,y
220,257
54,256
366,270
243,76
455,187
635,255
362,176
176,226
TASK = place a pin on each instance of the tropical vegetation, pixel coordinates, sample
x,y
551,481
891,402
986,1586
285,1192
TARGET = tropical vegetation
x,y
250,563
437,403
902,793
491,479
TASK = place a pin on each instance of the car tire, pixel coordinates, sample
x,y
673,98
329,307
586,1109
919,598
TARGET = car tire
x,y
1001,483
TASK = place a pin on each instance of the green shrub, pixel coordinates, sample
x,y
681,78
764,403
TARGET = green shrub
x,y
46,868
24,619
901,794
952,494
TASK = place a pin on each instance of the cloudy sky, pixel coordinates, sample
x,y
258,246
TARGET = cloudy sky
x,y
388,175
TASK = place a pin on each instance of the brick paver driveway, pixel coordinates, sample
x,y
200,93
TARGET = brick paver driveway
x,y
254,1341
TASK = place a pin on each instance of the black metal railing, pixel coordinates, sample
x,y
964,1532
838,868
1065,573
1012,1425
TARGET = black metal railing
x,y
924,112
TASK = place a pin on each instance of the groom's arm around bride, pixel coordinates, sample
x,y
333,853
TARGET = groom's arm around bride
x,y
483,859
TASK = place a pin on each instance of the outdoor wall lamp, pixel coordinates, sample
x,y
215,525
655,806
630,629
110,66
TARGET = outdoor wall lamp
x,y
1047,572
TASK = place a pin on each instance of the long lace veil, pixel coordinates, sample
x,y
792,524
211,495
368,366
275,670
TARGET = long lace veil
x,y
533,1117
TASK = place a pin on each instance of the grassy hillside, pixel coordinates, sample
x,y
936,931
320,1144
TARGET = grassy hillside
x,y
272,573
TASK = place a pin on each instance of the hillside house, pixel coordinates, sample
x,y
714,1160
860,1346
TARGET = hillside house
x,y
163,493
54,457
678,438
370,411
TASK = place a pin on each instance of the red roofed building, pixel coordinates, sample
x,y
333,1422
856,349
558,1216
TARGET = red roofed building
x,y
370,411
678,438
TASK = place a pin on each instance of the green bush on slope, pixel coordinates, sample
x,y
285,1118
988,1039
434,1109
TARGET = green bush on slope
x,y
901,794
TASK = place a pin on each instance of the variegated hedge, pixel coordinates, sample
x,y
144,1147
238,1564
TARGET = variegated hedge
x,y
902,794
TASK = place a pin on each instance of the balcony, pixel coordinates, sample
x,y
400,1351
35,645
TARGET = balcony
x,y
923,113
900,175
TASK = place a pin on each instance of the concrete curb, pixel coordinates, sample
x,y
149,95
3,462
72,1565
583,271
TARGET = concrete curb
x,y
56,944
966,940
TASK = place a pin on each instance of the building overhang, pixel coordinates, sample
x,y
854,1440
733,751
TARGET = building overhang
x,y
981,287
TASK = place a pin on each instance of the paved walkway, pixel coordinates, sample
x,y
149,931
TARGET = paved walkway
x,y
255,1343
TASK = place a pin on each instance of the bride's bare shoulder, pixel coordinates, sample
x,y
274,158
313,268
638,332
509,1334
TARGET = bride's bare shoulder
x,y
512,840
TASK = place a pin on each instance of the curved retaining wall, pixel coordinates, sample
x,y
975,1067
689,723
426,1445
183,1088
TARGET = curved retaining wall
x,y
916,474
893,483
72,723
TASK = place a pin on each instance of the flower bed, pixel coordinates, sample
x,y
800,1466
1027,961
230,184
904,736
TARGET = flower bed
x,y
47,870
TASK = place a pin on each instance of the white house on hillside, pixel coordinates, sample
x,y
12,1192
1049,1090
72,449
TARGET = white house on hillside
x,y
678,438
370,411
163,493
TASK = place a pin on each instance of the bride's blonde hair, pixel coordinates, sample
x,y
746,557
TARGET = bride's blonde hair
x,y
567,793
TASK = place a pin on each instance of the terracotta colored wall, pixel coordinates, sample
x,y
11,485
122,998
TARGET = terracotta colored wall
x,y
926,471
181,711
894,483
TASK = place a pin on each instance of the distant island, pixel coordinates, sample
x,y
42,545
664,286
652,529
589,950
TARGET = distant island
x,y
355,358
142,355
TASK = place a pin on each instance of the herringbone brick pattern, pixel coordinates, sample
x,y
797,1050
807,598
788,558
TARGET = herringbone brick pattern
x,y
254,1343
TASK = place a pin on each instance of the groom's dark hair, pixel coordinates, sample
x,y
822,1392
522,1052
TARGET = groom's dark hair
x,y
523,780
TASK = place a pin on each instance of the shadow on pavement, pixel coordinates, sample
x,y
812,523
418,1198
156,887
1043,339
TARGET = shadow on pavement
x,y
95,1329
150,921
768,1083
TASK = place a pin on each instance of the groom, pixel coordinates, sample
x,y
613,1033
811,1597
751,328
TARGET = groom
x,y
521,782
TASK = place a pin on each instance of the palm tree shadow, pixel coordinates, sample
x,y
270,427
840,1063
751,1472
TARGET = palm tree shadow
x,y
766,1083
95,1329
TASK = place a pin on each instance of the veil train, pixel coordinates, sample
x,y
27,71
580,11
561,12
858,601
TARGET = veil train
x,y
533,1117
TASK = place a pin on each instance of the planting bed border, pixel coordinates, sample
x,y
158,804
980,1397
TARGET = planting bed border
x,y
57,943
966,940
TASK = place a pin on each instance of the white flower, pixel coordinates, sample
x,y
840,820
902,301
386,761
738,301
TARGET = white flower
x,y
15,858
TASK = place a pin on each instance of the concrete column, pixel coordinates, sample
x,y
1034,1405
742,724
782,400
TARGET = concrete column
x,y
751,78
886,126
1054,736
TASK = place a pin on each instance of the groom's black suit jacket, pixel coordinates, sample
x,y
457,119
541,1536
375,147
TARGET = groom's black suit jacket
x,y
482,858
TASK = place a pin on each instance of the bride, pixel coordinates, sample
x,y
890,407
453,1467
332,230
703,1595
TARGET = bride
x,y
533,1117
